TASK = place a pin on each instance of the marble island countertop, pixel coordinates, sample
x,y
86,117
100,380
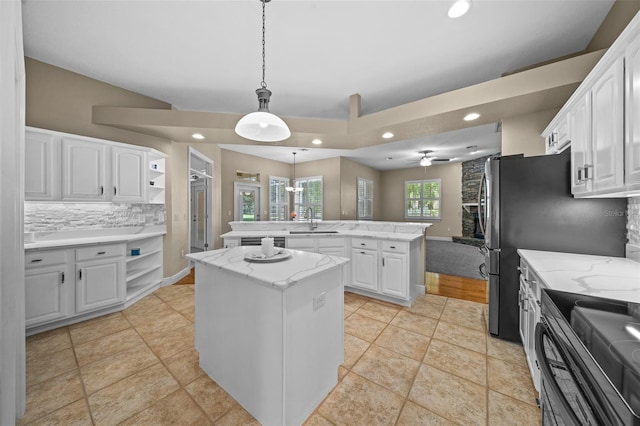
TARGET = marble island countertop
x,y
93,236
602,276
281,274
395,231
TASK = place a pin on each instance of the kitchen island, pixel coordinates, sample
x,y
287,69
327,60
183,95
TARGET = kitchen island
x,y
270,334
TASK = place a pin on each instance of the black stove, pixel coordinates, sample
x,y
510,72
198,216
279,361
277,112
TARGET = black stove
x,y
598,342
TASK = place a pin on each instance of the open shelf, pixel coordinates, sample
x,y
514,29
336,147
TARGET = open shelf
x,y
144,272
136,290
142,256
137,273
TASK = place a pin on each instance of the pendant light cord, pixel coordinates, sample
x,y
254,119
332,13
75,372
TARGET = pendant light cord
x,y
263,84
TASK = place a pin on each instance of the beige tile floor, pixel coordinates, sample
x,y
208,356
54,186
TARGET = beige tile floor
x,y
432,364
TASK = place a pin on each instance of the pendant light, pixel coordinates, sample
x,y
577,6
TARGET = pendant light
x,y
262,126
294,189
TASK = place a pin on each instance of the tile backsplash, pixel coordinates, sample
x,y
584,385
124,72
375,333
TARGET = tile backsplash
x,y
633,221
50,217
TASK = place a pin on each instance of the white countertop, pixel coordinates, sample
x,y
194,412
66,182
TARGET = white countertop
x,y
281,274
602,276
94,236
394,236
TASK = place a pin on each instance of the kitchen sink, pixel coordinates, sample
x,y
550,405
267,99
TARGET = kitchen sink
x,y
313,232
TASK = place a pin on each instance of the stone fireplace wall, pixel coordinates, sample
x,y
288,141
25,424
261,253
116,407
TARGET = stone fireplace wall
x,y
471,174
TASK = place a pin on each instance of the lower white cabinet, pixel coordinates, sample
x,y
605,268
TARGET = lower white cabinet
x,y
48,286
394,275
529,305
100,284
364,269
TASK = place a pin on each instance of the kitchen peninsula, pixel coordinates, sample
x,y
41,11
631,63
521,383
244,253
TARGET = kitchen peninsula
x,y
387,258
270,334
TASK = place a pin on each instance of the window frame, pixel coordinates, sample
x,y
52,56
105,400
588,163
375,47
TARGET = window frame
x,y
301,208
283,182
422,199
368,183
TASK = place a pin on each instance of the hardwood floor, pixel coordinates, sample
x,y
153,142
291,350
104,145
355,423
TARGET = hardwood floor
x,y
457,287
189,279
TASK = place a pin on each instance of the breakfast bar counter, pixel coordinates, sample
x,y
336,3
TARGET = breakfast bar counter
x,y
270,333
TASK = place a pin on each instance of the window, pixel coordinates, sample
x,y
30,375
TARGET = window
x,y
422,199
311,196
365,198
278,198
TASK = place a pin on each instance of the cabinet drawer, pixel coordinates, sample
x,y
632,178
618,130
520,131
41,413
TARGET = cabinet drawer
x,y
363,243
395,246
303,243
99,252
45,258
331,242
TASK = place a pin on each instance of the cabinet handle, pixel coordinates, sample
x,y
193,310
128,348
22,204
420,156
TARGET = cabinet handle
x,y
383,261
362,252
101,252
586,172
101,190
392,247
61,277
115,190
36,260
362,244
79,274
580,179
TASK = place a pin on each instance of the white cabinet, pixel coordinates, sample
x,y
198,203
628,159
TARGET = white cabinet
x,y
364,268
529,308
579,118
632,116
128,171
394,272
42,166
100,277
64,167
231,242
84,167
558,139
144,266
607,170
48,286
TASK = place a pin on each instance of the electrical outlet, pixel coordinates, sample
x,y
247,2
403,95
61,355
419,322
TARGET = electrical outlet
x,y
319,300
182,253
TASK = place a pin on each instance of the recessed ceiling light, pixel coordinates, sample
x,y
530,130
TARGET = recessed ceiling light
x,y
471,116
198,136
389,158
316,142
387,135
459,8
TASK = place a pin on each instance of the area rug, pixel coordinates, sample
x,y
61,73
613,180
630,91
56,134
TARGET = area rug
x,y
447,257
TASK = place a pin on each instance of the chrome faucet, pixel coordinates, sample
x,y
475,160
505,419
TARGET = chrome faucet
x,y
309,213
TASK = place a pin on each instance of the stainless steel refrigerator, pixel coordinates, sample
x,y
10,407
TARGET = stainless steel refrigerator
x,y
526,203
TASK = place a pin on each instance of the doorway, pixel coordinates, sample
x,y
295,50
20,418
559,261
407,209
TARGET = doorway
x,y
246,202
200,202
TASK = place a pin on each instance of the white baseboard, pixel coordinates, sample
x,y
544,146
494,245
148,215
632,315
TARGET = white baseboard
x,y
439,238
177,277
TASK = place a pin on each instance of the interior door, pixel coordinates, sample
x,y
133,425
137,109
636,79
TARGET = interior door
x,y
247,202
199,214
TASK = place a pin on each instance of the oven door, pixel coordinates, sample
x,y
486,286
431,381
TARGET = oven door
x,y
563,401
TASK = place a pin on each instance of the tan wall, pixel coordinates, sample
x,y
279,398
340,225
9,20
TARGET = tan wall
x,y
522,134
329,169
232,162
61,100
350,171
451,175
621,13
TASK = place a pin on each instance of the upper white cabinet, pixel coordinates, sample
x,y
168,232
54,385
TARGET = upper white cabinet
x,y
558,139
59,166
128,170
607,146
632,116
83,170
603,122
42,166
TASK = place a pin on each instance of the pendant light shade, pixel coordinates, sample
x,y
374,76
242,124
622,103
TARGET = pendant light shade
x,y
262,126
294,189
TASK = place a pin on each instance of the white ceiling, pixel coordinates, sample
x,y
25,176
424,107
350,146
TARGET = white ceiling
x,y
206,55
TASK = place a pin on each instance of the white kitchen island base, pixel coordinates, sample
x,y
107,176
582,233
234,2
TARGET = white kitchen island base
x,y
274,347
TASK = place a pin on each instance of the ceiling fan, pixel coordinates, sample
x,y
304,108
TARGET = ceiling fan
x,y
426,160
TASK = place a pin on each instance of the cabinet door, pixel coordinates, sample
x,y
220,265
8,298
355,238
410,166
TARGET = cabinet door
x,y
632,110
128,171
607,130
46,294
533,316
99,283
83,170
579,120
364,269
42,166
522,304
394,275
